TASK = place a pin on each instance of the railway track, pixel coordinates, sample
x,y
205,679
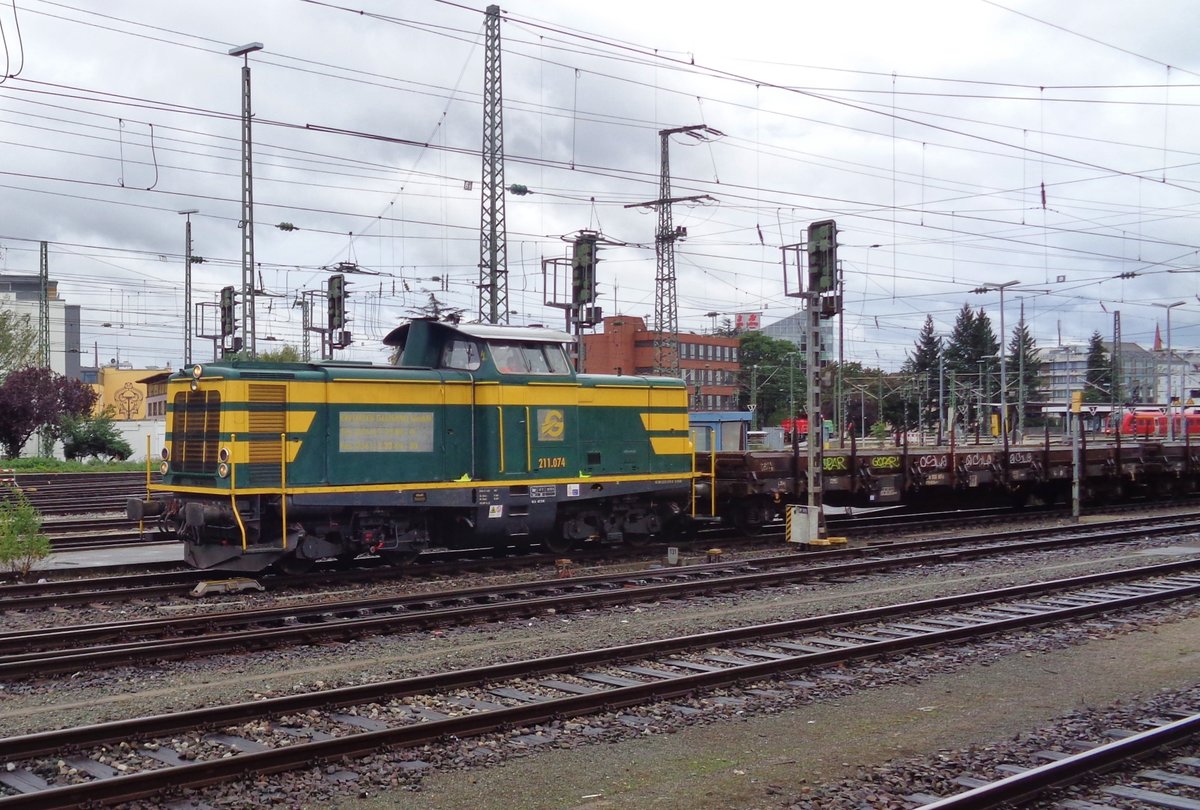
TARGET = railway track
x,y
48,651
159,754
57,494
174,582
1173,788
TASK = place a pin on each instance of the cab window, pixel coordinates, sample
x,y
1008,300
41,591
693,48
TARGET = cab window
x,y
529,358
461,354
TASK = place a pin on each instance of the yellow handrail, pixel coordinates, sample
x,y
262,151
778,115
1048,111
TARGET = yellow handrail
x,y
712,472
233,488
528,441
283,484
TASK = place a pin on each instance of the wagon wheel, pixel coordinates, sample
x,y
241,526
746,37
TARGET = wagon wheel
x,y
557,544
401,557
637,540
748,519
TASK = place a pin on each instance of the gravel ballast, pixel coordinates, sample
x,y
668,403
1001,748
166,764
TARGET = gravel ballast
x,y
798,758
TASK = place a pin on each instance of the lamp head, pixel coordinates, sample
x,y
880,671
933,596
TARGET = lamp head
x,y
242,50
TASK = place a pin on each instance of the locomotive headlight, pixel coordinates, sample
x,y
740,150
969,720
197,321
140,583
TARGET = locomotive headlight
x,y
162,468
194,385
223,470
197,371
223,454
165,453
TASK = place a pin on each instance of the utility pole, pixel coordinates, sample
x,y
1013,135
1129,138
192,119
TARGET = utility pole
x,y
493,249
44,328
941,398
44,304
666,305
1116,365
754,397
1021,377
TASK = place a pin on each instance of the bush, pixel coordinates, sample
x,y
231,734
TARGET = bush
x,y
97,438
22,543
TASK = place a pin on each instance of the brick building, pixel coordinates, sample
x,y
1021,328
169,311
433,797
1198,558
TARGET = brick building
x,y
709,363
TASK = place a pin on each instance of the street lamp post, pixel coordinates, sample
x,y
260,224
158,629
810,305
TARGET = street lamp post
x,y
1003,371
1170,421
248,331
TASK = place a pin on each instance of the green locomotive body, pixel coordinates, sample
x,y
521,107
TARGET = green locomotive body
x,y
479,436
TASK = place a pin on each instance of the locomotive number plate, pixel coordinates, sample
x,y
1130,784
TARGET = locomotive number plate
x,y
552,463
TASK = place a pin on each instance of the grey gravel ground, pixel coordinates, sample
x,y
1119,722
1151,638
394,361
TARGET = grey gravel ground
x,y
799,758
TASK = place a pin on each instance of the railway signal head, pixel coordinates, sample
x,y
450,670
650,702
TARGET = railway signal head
x,y
337,302
822,256
228,321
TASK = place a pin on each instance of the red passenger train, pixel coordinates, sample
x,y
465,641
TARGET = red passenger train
x,y
1153,422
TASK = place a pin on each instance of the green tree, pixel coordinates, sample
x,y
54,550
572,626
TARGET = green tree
x,y
33,399
971,353
286,353
18,342
1098,387
1023,352
97,437
960,346
923,367
22,543
774,377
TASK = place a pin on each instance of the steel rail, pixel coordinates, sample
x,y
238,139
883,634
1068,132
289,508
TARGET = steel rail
x,y
1032,783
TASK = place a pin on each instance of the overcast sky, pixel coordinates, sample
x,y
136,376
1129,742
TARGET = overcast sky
x,y
956,143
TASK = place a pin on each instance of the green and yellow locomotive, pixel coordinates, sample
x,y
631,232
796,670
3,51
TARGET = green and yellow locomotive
x,y
479,436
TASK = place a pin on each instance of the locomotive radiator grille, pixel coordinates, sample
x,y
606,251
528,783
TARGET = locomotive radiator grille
x,y
196,433
267,420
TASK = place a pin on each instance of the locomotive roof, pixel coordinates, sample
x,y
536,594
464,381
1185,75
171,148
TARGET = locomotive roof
x,y
483,331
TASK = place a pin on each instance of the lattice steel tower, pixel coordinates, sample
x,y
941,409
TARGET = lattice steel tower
x,y
666,303
493,252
